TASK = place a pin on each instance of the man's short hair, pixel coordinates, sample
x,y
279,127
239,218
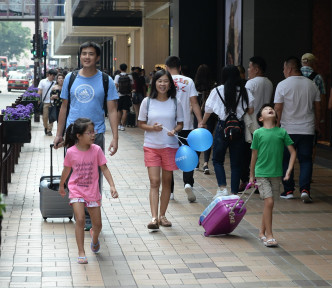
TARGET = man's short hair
x,y
52,72
123,67
91,44
173,62
294,62
308,58
259,62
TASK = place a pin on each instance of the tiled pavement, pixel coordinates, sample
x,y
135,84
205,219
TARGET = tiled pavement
x,y
38,253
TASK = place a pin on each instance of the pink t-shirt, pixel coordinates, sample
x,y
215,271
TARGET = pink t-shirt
x,y
83,182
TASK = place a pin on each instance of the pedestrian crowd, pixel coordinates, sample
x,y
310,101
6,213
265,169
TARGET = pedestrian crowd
x,y
263,130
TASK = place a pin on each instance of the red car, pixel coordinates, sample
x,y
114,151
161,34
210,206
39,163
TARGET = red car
x,y
18,82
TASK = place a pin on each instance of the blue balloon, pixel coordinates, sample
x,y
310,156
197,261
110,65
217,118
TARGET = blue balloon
x,y
200,139
186,158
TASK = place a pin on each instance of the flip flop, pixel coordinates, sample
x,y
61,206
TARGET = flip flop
x,y
94,247
82,260
271,243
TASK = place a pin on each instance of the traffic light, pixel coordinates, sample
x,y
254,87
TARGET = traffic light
x,y
40,46
44,50
34,46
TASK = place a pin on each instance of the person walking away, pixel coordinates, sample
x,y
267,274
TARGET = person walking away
x,y
187,94
266,166
204,84
297,103
308,62
44,90
139,92
55,93
262,90
230,97
161,116
124,84
83,158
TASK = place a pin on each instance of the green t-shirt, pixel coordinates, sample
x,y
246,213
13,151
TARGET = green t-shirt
x,y
270,144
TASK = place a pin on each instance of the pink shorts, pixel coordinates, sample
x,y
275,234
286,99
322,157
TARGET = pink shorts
x,y
164,158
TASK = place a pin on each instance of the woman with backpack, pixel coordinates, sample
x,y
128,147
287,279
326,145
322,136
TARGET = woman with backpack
x,y
230,101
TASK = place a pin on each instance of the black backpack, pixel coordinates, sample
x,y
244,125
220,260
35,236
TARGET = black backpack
x,y
105,84
233,127
124,83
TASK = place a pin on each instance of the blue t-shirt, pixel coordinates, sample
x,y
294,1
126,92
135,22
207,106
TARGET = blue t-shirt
x,y
87,99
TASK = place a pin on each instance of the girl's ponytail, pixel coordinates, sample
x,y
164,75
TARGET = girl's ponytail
x,y
70,138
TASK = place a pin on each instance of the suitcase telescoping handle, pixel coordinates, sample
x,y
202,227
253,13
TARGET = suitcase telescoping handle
x,y
231,212
51,165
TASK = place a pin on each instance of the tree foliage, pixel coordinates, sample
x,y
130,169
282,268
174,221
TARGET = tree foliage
x,y
14,39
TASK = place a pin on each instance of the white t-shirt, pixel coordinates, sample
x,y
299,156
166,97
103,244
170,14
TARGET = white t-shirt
x,y
162,113
298,94
185,88
116,81
262,89
215,105
44,85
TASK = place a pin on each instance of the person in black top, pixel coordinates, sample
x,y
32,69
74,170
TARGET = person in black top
x,y
55,93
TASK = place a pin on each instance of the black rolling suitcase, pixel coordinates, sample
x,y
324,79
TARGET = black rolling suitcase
x,y
52,205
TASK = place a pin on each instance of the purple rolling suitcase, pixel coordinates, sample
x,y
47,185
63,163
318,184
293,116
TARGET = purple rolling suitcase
x,y
224,213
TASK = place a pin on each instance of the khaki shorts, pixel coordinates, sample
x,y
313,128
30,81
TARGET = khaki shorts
x,y
268,186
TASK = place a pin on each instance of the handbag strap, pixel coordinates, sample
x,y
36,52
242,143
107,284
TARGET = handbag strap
x,y
47,91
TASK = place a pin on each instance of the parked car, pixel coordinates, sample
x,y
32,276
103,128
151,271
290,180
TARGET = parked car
x,y
18,82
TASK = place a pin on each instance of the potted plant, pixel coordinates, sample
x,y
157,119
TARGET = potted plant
x,y
17,124
2,209
31,96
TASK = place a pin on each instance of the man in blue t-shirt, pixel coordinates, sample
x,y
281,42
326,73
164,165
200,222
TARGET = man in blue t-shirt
x,y
87,98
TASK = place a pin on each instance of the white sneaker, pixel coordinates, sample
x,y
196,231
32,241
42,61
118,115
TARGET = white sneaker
x,y
171,197
122,128
119,127
189,190
219,193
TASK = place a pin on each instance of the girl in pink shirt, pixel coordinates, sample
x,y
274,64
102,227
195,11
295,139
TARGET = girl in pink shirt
x,y
83,158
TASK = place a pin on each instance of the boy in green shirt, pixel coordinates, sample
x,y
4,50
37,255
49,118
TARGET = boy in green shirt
x,y
266,165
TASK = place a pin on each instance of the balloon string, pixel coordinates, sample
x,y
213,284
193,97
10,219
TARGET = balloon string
x,y
177,136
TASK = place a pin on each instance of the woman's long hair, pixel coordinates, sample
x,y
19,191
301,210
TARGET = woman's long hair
x,y
78,127
233,84
171,91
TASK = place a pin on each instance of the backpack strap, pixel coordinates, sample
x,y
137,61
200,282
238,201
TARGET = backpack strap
x,y
71,81
312,75
105,84
222,100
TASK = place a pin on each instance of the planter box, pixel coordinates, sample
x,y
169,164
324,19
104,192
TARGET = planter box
x,y
34,102
17,131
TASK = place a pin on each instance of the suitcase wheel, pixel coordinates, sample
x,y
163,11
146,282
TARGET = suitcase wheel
x,y
45,218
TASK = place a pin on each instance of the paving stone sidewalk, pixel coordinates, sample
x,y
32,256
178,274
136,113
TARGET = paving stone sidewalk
x,y
38,253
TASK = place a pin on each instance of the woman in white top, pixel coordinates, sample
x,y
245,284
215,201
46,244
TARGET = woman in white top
x,y
239,100
161,116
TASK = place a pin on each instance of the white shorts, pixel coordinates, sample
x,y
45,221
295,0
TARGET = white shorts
x,y
269,186
86,203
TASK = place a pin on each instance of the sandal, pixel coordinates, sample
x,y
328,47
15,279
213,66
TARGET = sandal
x,y
94,247
271,243
262,238
82,260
